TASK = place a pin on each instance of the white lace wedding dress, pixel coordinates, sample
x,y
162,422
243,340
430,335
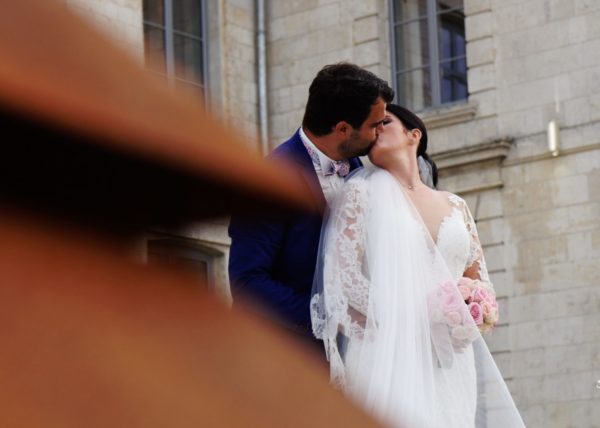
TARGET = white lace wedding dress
x,y
376,304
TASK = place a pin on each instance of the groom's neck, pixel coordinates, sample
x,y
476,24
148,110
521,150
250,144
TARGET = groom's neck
x,y
327,144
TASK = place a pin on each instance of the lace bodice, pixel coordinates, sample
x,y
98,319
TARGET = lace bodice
x,y
458,241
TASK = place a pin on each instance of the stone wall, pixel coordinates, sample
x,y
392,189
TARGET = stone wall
x,y
120,20
538,215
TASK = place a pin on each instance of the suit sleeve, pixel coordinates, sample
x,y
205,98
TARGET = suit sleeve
x,y
255,246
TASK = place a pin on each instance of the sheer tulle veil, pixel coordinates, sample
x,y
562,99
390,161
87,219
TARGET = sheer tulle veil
x,y
380,296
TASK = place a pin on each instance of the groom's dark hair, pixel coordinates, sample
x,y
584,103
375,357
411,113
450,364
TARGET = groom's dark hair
x,y
342,92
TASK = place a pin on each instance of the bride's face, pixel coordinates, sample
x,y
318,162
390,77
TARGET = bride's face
x,y
394,137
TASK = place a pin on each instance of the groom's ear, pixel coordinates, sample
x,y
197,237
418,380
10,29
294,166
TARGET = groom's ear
x,y
343,128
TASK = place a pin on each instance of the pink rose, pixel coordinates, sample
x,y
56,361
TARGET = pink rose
x,y
480,294
492,317
452,302
476,312
465,282
487,309
453,318
465,292
448,286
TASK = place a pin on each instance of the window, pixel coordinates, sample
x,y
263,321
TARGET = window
x,y
179,254
175,42
429,59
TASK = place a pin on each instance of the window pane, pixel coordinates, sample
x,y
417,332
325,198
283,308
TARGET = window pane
x,y
154,48
188,58
453,76
405,10
190,88
414,89
187,16
412,45
154,11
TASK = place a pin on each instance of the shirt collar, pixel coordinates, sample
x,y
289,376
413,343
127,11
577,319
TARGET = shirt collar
x,y
325,162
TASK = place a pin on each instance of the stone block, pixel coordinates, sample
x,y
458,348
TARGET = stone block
x,y
569,190
330,39
301,23
480,51
561,303
241,15
494,257
366,29
362,8
502,284
528,362
482,78
572,358
491,231
280,100
478,26
367,53
518,17
490,205
533,415
564,331
473,7
278,9
580,246
527,198
584,7
498,340
572,414
559,9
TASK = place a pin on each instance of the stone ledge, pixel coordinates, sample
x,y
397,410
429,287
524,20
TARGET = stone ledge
x,y
497,149
445,116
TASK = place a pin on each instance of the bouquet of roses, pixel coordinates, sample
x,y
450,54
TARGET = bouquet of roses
x,y
447,308
466,309
481,301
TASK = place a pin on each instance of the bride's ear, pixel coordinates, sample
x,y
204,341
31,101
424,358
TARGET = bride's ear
x,y
416,132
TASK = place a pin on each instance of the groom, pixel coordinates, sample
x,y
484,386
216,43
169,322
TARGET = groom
x,y
272,260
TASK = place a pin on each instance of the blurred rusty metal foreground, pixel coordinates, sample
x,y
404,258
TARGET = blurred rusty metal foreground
x,y
100,152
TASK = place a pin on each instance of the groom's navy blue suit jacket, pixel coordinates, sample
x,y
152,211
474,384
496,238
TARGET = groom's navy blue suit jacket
x,y
272,259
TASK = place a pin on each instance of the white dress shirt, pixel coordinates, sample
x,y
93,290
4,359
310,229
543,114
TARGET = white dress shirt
x,y
331,184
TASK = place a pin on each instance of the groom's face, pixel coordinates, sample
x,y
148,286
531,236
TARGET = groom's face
x,y
361,140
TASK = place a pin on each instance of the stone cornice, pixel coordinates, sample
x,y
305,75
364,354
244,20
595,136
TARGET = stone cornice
x,y
497,149
447,116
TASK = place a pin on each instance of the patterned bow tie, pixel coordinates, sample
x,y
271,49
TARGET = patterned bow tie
x,y
341,168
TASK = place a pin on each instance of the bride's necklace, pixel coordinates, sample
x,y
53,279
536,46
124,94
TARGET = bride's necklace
x,y
409,186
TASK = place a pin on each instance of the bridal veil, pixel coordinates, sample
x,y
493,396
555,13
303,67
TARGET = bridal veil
x,y
380,296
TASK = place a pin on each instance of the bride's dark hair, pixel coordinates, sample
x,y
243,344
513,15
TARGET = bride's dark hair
x,y
412,121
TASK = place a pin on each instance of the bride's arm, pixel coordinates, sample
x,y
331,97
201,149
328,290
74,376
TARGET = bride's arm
x,y
475,267
348,248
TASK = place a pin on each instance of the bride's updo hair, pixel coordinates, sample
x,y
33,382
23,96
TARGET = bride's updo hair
x,y
412,121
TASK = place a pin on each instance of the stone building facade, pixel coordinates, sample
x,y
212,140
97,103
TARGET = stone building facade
x,y
538,213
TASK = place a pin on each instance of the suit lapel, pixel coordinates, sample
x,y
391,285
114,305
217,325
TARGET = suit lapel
x,y
302,158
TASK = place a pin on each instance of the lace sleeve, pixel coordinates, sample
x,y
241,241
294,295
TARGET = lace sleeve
x,y
475,267
349,245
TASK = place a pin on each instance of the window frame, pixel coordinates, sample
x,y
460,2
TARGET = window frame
x,y
169,45
433,29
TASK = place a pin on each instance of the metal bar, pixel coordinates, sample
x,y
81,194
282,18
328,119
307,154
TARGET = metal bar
x,y
433,53
169,42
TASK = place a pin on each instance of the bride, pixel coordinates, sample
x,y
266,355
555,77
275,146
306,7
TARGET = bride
x,y
402,294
